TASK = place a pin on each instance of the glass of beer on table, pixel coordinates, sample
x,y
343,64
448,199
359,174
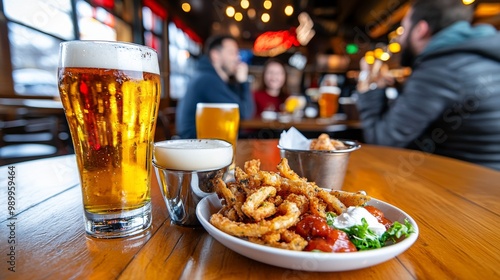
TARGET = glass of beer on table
x,y
218,121
328,101
110,92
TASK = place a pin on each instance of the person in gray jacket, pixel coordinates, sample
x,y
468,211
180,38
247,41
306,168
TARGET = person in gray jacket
x,y
450,104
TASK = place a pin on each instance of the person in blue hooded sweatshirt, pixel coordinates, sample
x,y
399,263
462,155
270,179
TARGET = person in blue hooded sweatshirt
x,y
450,104
221,77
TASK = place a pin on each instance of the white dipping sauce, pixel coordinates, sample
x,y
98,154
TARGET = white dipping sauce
x,y
353,217
193,154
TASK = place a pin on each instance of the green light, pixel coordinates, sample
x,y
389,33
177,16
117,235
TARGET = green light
x,y
351,48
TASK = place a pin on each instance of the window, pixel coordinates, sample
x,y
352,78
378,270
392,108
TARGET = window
x,y
182,50
34,52
37,27
95,23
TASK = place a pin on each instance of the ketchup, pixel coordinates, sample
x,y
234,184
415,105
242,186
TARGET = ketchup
x,y
377,213
321,237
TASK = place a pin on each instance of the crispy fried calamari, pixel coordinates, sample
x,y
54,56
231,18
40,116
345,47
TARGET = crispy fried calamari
x,y
264,206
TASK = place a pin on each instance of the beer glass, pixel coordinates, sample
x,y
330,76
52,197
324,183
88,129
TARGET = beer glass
x,y
328,101
218,121
110,92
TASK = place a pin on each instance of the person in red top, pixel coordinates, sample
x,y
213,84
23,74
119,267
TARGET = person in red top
x,y
273,91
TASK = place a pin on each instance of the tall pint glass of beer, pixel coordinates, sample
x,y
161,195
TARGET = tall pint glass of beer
x,y
110,92
218,121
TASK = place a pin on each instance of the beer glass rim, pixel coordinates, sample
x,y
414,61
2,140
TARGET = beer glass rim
x,y
164,143
104,42
108,55
217,105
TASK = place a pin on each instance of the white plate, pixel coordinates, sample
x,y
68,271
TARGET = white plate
x,y
308,261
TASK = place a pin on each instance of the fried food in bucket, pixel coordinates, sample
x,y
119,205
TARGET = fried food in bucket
x,y
264,206
324,143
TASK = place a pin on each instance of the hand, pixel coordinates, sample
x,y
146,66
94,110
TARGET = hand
x,y
241,72
373,76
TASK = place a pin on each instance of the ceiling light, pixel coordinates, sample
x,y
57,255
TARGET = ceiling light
x,y
385,56
468,2
251,13
394,47
265,17
400,31
186,7
244,4
238,16
230,11
288,10
268,4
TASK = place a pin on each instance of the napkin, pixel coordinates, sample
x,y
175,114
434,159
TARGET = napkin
x,y
293,139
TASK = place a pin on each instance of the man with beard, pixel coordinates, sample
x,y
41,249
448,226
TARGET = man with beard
x,y
220,78
450,105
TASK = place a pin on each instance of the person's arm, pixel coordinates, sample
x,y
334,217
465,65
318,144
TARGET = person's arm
x,y
426,95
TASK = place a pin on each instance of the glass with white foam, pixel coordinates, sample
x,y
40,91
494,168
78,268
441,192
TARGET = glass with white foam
x,y
110,92
186,170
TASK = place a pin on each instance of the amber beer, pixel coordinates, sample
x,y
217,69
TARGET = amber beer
x,y
218,121
110,92
328,101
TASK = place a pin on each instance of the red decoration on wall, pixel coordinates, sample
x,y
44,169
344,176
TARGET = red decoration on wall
x,y
273,43
108,4
158,9
189,32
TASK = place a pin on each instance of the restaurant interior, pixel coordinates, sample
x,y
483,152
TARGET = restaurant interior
x,y
315,38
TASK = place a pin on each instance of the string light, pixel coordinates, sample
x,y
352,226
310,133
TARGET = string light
x,y
265,17
268,4
251,13
238,16
394,47
289,10
245,4
186,7
230,11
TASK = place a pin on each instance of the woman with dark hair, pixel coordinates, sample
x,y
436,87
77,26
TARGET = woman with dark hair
x,y
273,91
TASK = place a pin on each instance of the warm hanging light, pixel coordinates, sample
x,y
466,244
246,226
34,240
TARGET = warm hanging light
x,y
230,11
251,13
238,16
186,7
289,10
245,4
385,56
468,2
400,31
369,57
378,52
265,17
268,4
394,47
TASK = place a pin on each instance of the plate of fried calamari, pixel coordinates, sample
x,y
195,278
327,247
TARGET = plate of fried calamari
x,y
281,219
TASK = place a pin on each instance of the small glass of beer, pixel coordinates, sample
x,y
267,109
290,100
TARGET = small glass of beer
x,y
218,121
328,101
110,92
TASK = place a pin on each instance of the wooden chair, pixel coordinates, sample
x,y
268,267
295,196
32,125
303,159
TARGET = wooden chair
x,y
30,138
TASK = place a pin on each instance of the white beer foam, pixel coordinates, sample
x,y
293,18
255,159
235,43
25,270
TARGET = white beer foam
x,y
193,154
217,105
108,55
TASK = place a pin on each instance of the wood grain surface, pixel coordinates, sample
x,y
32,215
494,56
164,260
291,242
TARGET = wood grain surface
x,y
454,203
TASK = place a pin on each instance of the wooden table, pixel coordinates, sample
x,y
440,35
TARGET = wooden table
x,y
454,203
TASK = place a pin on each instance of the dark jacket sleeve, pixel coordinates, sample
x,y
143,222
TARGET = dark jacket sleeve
x,y
423,100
